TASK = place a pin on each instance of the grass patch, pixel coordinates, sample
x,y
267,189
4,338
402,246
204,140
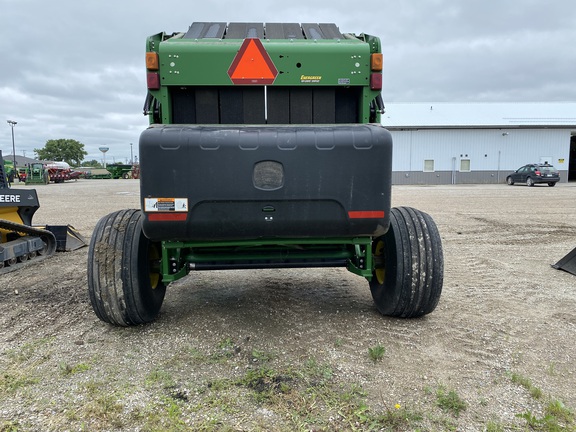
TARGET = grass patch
x,y
525,382
9,426
161,378
67,369
29,350
376,353
102,408
262,356
305,397
449,401
556,416
13,380
164,415
493,426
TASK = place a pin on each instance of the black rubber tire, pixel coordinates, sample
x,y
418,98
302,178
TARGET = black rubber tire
x,y
125,288
408,279
529,182
551,184
510,181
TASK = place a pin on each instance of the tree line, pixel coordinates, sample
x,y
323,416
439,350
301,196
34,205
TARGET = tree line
x,y
66,150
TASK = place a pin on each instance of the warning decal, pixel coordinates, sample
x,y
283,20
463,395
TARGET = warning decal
x,y
165,204
252,64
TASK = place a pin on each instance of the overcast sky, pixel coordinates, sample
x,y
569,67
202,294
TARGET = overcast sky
x,y
75,69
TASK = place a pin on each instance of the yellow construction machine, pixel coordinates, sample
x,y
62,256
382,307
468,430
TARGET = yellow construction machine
x,y
20,241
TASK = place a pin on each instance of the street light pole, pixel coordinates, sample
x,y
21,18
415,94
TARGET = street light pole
x,y
12,123
131,157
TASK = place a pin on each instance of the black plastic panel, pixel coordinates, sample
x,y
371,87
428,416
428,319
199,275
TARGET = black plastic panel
x,y
284,31
202,30
220,30
245,30
266,181
218,105
246,105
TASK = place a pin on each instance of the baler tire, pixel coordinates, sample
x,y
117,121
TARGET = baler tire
x,y
409,274
124,283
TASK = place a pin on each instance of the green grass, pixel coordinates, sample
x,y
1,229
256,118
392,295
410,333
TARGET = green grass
x,y
556,416
376,353
9,426
525,382
13,380
159,377
67,369
19,372
449,401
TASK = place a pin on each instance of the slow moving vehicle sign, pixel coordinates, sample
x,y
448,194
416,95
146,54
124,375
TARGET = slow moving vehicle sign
x,y
252,64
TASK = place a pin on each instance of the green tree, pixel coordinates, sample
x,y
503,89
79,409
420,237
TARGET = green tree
x,y
92,163
62,150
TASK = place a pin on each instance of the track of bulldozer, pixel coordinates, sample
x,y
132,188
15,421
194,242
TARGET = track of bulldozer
x,y
31,245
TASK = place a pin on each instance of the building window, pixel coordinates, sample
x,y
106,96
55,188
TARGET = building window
x,y
464,165
428,165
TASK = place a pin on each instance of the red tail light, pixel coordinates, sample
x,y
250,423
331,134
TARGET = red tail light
x,y
153,80
537,172
376,81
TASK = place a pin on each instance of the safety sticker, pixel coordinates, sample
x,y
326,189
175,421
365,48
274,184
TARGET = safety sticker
x,y
166,204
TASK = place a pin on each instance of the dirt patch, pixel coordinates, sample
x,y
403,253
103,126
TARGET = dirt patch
x,y
289,349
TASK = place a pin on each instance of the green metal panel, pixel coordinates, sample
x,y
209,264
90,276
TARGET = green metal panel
x,y
299,62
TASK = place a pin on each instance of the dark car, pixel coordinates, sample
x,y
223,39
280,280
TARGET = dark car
x,y
534,173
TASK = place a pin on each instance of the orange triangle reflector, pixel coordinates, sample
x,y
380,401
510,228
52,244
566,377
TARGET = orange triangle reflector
x,y
252,64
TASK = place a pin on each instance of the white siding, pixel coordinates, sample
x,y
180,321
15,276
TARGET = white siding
x,y
487,149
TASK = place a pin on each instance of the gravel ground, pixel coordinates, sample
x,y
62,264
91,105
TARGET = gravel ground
x,y
500,343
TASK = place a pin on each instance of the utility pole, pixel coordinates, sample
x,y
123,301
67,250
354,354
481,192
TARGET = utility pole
x,y
12,123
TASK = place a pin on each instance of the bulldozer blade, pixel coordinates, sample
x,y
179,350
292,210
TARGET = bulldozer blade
x,y
568,263
67,238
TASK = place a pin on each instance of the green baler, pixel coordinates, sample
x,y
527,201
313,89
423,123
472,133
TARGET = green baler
x,y
265,150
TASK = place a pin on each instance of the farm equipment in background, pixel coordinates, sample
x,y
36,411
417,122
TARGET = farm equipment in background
x,y
20,241
22,174
59,172
97,173
125,171
9,173
120,171
36,173
265,150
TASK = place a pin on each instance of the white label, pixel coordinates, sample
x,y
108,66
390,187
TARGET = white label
x,y
165,204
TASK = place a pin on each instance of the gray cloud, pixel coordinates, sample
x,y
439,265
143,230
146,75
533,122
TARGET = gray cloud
x,y
75,69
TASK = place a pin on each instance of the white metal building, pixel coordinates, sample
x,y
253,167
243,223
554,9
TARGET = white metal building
x,y
452,143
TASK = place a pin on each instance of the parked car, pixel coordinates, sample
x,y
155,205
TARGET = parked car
x,y
534,173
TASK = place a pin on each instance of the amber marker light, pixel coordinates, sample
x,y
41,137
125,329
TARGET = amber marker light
x,y
152,61
376,61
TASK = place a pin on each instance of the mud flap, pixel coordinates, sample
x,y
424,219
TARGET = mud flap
x,y
67,238
568,263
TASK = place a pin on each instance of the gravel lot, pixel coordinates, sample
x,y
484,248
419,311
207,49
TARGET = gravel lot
x,y
289,349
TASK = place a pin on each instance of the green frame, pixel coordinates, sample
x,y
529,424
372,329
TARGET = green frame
x,y
177,256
